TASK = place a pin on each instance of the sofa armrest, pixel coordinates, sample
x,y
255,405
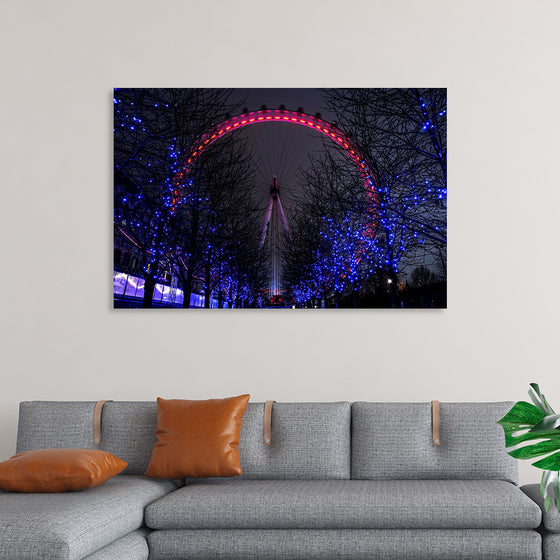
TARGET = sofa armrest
x,y
551,518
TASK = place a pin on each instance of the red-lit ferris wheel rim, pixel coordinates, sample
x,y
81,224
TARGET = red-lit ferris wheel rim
x,y
290,117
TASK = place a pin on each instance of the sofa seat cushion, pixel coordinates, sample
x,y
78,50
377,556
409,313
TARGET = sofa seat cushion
x,y
73,525
551,518
133,546
551,546
345,504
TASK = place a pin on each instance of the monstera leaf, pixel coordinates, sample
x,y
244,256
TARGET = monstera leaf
x,y
534,431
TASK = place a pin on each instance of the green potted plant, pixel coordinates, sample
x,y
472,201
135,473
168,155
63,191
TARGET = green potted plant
x,y
534,431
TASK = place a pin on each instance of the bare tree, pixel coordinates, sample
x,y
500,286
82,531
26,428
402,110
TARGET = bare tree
x,y
422,276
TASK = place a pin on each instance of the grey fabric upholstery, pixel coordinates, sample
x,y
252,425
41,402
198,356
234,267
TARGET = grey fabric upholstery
x,y
53,424
310,441
551,518
551,546
394,441
131,547
345,504
239,544
71,525
128,431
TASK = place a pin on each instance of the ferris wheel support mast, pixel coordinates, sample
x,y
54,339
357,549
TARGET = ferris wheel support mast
x,y
270,228
274,201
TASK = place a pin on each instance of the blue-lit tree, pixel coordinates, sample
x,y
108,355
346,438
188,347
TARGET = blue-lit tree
x,y
216,228
352,245
403,134
332,252
140,178
173,219
229,226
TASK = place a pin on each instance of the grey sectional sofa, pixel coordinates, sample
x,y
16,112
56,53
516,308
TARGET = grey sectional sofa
x,y
339,480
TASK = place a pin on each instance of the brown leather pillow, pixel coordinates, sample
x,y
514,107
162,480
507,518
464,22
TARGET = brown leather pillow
x,y
197,438
58,470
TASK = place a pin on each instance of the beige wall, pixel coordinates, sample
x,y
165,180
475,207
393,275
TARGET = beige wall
x,y
60,339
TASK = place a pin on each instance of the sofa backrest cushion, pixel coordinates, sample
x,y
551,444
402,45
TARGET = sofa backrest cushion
x,y
46,424
127,428
309,440
394,441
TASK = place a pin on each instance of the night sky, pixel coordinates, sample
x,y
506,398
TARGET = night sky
x,y
308,98
282,149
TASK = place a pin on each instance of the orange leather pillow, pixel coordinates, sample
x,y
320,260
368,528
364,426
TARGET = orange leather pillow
x,y
197,438
58,470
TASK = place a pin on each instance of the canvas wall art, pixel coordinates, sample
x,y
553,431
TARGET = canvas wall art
x,y
280,198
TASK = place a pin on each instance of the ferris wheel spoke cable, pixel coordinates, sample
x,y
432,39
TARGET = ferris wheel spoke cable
x,y
280,151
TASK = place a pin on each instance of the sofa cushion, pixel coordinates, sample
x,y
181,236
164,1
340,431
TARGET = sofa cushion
x,y
127,428
551,518
197,438
356,544
551,546
58,470
310,441
72,525
394,441
130,547
51,424
345,504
